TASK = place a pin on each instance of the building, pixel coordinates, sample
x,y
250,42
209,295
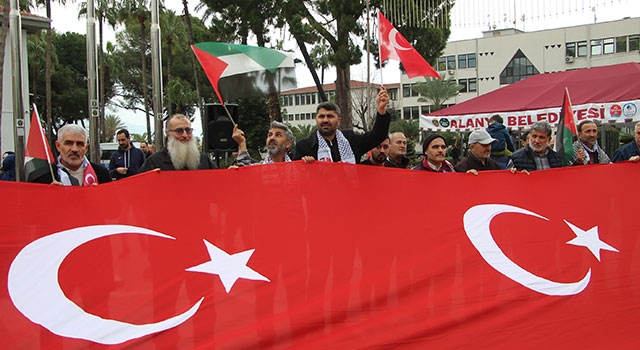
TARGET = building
x,y
500,57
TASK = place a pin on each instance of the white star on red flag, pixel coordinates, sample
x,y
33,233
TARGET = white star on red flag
x,y
229,267
589,239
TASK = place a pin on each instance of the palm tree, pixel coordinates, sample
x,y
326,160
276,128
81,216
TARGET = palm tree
x,y
302,131
112,124
175,36
437,91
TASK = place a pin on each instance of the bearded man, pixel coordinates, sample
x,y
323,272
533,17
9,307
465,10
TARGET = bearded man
x,y
181,151
279,142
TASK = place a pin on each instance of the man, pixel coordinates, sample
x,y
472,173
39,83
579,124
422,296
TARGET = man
x,y
181,151
127,159
152,148
434,149
72,167
479,159
503,146
537,155
144,147
279,142
397,151
330,144
630,151
379,154
586,147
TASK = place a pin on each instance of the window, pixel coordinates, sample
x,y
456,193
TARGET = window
x,y
463,82
297,100
596,47
406,90
411,112
607,46
313,98
414,93
451,62
462,61
471,60
473,85
426,109
621,44
634,42
582,49
442,63
393,94
571,50
517,69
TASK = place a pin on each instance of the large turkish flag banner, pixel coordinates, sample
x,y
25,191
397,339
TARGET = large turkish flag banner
x,y
324,256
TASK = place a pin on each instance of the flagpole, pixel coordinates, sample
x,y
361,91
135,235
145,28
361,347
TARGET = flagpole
x,y
44,141
380,48
15,32
228,113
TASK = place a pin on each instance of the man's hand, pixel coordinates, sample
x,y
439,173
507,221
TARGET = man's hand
x,y
513,171
238,137
472,171
308,159
634,159
382,100
122,170
580,157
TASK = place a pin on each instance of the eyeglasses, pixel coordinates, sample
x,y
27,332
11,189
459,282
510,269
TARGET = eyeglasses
x,y
179,131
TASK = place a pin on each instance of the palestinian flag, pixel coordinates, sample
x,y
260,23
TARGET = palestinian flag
x,y
238,71
37,157
566,131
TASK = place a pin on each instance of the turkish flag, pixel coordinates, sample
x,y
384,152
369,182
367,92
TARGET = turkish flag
x,y
323,256
394,46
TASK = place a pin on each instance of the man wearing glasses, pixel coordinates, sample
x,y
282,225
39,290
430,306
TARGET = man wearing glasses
x,y
181,151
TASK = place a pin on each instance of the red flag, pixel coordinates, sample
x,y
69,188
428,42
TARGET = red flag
x,y
566,130
486,270
37,155
394,46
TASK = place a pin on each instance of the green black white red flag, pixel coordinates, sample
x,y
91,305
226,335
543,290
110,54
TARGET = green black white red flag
x,y
37,156
238,71
566,130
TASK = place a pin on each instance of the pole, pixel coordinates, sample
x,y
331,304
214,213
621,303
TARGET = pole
x,y
15,29
156,72
92,84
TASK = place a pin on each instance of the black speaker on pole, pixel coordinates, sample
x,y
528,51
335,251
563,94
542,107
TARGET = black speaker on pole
x,y
219,128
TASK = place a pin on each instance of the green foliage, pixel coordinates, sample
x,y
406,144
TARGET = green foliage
x,y
112,124
437,91
302,131
410,128
254,121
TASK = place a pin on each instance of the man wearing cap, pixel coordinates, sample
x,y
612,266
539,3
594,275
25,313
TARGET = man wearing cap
x,y
434,149
479,158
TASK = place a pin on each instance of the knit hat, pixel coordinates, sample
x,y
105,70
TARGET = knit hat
x,y
429,139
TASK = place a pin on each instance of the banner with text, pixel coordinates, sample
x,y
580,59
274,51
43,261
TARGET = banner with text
x,y
614,112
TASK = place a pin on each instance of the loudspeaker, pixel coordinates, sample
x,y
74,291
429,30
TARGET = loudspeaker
x,y
219,128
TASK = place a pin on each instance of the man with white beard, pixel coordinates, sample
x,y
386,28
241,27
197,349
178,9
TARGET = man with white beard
x,y
279,142
181,151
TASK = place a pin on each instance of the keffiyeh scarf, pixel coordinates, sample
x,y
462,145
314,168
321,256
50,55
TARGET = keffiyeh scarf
x,y
67,179
344,148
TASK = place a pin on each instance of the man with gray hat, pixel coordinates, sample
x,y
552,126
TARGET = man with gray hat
x,y
479,157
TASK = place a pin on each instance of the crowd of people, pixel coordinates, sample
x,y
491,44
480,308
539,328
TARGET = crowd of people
x,y
490,149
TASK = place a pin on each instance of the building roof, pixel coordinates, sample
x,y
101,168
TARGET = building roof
x,y
30,22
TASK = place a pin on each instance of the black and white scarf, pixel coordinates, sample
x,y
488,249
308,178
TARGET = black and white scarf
x,y
344,148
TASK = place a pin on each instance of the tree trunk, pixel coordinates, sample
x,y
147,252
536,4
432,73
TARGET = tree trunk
x,y
187,18
145,87
169,48
314,74
343,96
103,101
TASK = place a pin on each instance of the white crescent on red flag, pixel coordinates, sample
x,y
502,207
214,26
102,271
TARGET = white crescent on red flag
x,y
394,45
322,256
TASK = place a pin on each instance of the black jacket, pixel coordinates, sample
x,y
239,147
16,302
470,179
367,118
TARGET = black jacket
x,y
471,162
523,159
360,143
131,159
101,172
162,161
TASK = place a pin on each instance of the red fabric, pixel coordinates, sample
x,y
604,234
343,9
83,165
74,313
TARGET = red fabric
x,y
566,114
346,267
213,68
37,145
589,85
394,46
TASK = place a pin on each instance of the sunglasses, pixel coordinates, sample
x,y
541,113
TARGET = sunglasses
x,y
179,131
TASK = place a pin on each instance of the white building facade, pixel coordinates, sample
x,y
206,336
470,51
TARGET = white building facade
x,y
499,58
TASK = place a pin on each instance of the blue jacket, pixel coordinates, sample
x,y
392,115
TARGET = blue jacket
x,y
625,152
503,139
131,159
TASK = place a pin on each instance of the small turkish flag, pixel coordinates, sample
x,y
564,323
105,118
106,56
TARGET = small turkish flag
x,y
394,46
